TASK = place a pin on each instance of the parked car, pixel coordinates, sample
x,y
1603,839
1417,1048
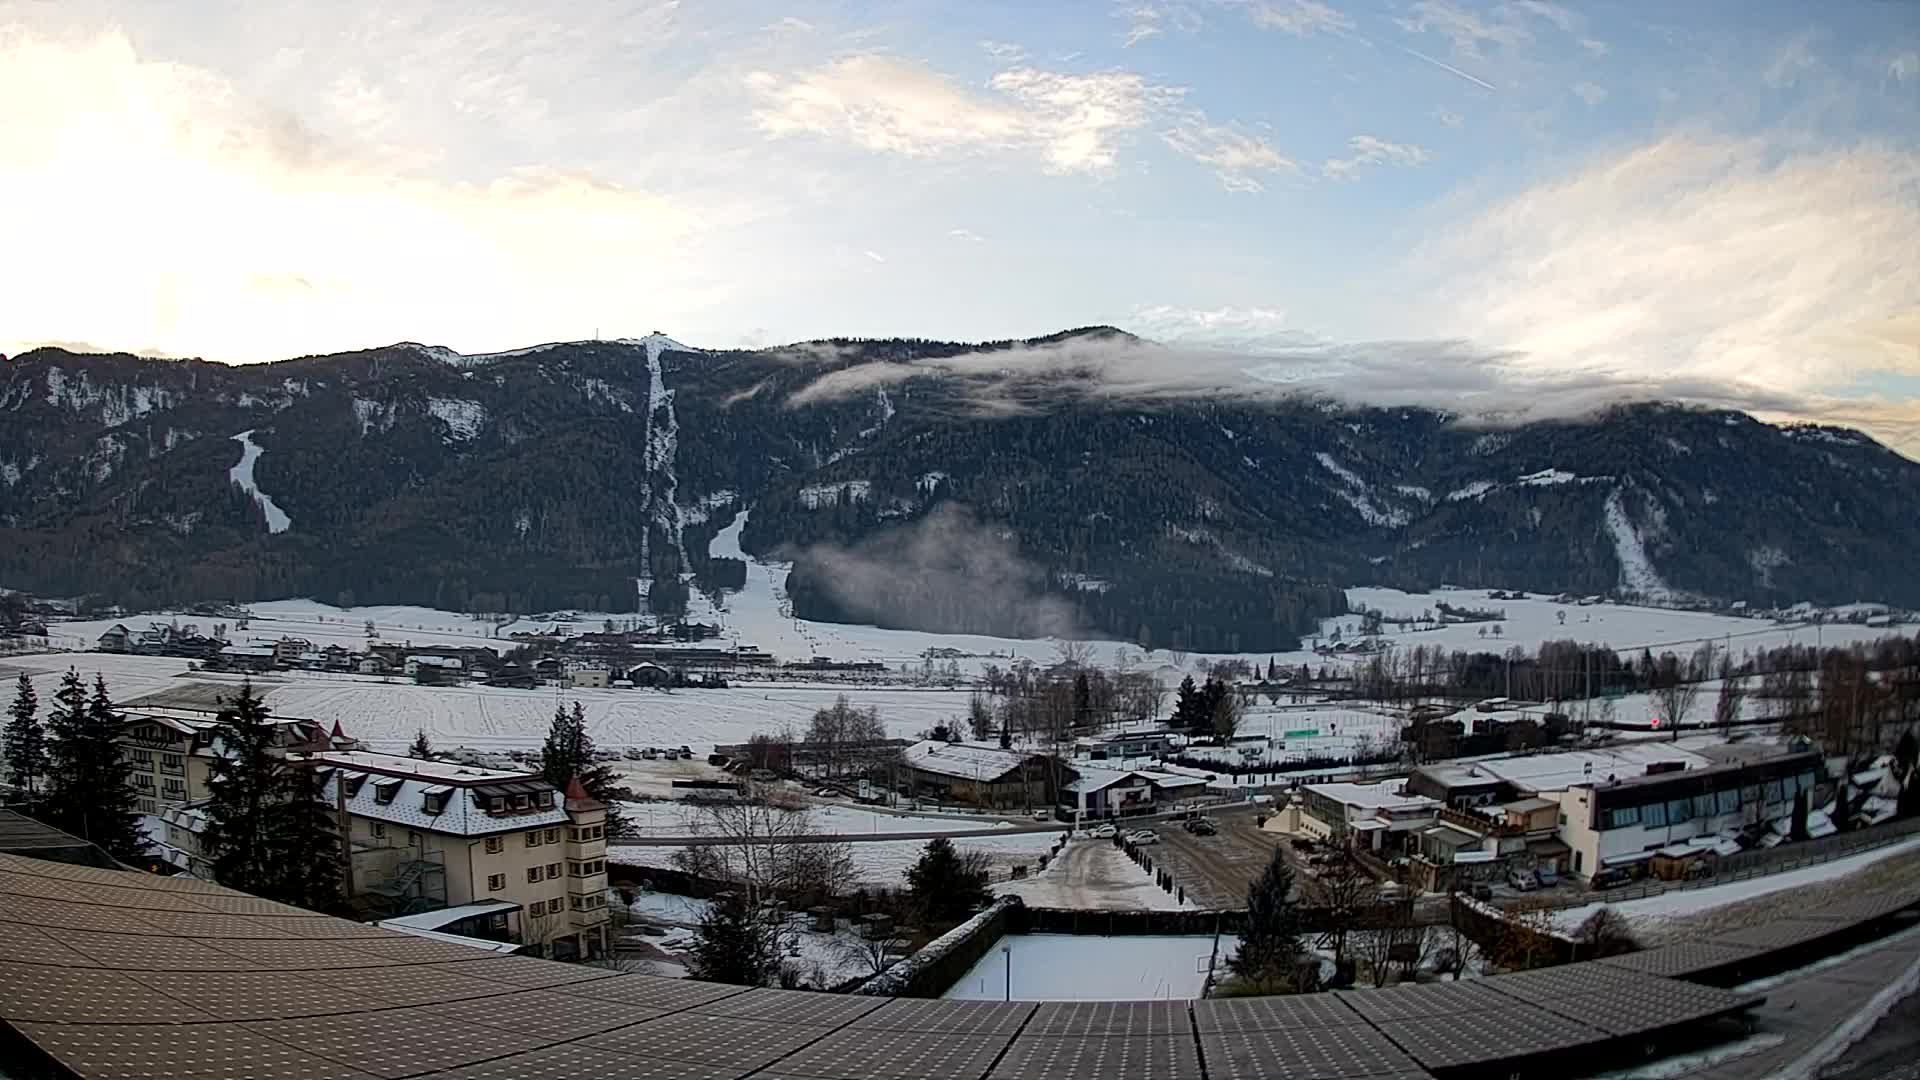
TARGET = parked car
x,y
1483,892
1610,878
1523,880
1201,827
1143,836
1043,815
1548,877
686,753
1105,832
649,754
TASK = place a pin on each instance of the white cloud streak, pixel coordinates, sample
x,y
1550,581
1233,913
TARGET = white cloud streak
x,y
1590,92
1368,151
1449,68
1297,17
882,103
1237,158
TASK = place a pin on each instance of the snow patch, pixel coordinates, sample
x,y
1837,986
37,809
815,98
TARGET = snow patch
x,y
370,413
9,473
1345,474
1637,574
929,481
1475,490
1547,478
702,509
1491,443
522,522
815,496
463,418
598,390
1414,491
1765,560
242,474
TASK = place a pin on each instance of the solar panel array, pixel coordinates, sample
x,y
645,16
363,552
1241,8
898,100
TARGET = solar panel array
x,y
120,974
1703,957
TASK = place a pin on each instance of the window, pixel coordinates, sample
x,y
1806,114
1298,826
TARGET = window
x,y
352,784
385,790
577,903
174,787
1563,819
412,837
142,758
533,875
379,830
533,838
143,780
1576,862
1750,794
496,882
1679,810
1774,794
553,870
1654,815
1727,801
1622,817
146,806
553,836
172,762
519,802
497,804
495,845
544,800
435,803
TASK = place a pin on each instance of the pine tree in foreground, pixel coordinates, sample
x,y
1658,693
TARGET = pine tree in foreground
x,y
305,838
1270,939
421,748
734,944
89,785
24,743
568,754
245,789
945,884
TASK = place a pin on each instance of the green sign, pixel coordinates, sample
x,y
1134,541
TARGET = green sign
x,y
1303,733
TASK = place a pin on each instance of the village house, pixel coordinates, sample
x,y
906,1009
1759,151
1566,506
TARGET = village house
x,y
983,775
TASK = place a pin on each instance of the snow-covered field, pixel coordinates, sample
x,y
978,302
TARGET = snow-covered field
x,y
1335,733
668,819
883,862
1536,619
1071,967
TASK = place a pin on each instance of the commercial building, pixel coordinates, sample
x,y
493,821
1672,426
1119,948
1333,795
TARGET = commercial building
x,y
171,754
982,775
1107,793
426,835
1642,807
1379,817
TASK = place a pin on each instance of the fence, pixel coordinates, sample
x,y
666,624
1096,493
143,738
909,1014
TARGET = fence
x,y
929,972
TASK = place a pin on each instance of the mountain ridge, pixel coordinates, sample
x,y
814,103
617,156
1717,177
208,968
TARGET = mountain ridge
x,y
557,475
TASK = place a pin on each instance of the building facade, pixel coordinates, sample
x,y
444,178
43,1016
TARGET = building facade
x,y
171,756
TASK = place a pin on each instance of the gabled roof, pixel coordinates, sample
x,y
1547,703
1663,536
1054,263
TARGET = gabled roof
x,y
964,761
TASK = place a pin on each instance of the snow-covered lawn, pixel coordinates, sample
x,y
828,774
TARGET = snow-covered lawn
x,y
1071,967
1648,914
656,819
823,960
884,862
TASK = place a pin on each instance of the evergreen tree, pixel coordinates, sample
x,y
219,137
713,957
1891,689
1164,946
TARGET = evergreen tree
x,y
732,945
1270,939
1186,707
245,791
89,785
1082,700
569,754
1006,734
24,743
421,748
305,837
945,884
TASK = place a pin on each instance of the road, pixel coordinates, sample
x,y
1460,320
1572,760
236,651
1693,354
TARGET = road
x,y
1215,870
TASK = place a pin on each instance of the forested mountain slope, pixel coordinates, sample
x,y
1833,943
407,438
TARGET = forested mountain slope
x,y
916,483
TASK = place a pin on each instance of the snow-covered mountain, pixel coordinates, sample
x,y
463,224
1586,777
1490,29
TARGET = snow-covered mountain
x,y
917,483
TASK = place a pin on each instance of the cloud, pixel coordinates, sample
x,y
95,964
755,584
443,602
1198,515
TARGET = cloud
x,y
1464,30
1566,20
1448,117
1595,46
1004,50
1727,261
1591,93
890,105
964,234
215,203
1297,17
874,255
1369,151
1237,158
949,571
1792,60
1146,21
1904,66
1253,329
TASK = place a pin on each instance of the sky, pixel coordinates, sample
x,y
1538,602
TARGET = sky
x,y
1713,201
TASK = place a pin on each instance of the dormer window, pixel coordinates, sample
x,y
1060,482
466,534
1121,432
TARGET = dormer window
x,y
520,802
385,790
544,800
351,783
497,804
435,798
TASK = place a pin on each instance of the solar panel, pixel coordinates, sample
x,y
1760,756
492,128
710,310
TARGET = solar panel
x,y
1686,958
648,991
153,899
211,925
398,1042
14,884
210,1051
23,944
1100,1057
1483,1038
745,1044
1632,1015
1109,1018
85,996
1269,1013
574,1061
792,1007
401,949
136,953
1428,1000
1304,1053
61,915
523,972
244,995
410,984
933,1015
1778,934
558,1016
293,955
896,1055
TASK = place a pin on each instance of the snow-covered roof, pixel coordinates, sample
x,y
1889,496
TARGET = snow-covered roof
x,y
1559,771
453,939
403,766
1471,857
964,761
1385,795
434,920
